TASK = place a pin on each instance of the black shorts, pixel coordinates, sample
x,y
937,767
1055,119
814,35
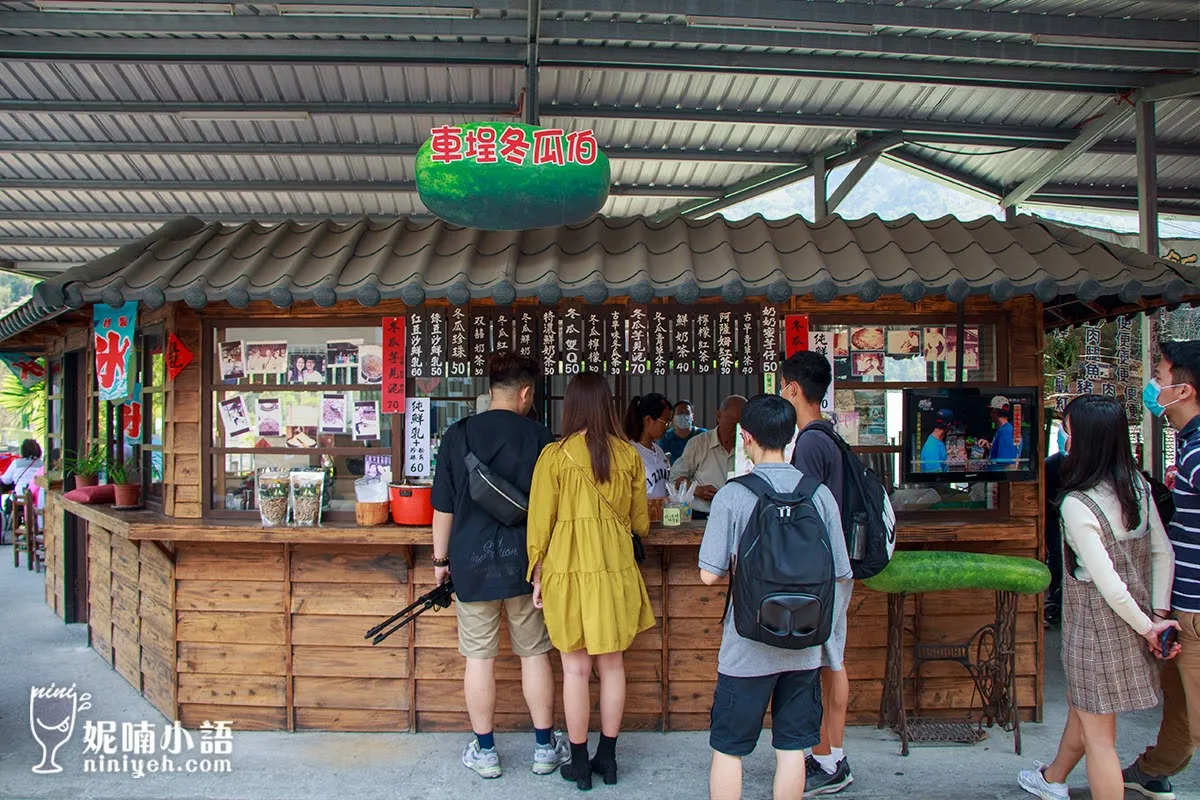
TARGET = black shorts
x,y
740,704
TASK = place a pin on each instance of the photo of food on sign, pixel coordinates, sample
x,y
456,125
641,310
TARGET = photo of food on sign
x,y
867,339
302,427
841,344
371,363
269,415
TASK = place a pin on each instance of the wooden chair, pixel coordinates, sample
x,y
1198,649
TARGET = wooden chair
x,y
26,538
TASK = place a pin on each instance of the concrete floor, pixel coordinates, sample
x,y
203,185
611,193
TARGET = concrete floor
x,y
36,648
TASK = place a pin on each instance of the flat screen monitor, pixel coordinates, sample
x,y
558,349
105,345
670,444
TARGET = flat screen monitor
x,y
958,434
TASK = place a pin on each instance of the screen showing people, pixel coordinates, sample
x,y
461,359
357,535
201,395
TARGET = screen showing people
x,y
951,433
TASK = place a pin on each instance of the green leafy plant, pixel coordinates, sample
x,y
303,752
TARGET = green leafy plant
x,y
25,405
92,462
122,472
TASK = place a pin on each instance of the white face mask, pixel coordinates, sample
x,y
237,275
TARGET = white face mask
x,y
683,422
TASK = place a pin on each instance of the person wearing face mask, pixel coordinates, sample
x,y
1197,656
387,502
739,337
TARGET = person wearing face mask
x,y
1052,612
1174,394
681,431
708,458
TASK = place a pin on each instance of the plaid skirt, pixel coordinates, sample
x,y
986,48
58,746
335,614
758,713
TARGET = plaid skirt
x,y
1109,667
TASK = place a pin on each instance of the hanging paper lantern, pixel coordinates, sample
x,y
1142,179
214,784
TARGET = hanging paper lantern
x,y
505,176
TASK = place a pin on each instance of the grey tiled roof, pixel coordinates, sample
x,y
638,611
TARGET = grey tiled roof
x,y
373,259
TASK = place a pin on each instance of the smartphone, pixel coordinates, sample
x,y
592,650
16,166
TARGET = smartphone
x,y
1166,640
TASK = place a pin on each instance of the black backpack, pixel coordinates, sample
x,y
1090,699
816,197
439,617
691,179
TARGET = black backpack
x,y
782,582
868,519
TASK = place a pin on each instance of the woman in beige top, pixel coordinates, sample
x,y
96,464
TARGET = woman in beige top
x,y
1117,569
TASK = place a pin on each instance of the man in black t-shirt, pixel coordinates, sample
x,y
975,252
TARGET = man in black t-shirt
x,y
803,381
488,561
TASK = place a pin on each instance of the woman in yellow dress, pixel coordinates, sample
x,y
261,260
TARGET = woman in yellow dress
x,y
587,500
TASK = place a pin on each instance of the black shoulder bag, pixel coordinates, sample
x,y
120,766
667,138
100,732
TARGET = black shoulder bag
x,y
493,493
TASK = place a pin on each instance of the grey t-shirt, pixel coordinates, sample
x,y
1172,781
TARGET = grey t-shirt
x,y
731,510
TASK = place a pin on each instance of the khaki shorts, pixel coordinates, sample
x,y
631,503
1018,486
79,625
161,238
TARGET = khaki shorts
x,y
479,628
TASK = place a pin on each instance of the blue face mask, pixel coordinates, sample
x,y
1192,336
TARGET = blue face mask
x,y
1062,440
1150,397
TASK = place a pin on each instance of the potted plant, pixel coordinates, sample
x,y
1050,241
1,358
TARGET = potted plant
x,y
86,467
127,482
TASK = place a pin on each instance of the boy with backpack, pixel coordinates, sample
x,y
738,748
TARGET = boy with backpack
x,y
780,534
867,521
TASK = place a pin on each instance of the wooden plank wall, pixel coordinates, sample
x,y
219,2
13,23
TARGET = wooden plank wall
x,y
54,522
181,453
131,613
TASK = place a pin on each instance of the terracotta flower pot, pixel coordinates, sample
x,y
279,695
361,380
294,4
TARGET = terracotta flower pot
x,y
85,480
127,495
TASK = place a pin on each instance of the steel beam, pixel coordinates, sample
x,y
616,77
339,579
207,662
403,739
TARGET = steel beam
x,y
908,17
820,189
159,217
313,187
912,162
1091,133
1178,194
615,151
880,45
852,179
89,243
1111,204
532,96
1147,184
1188,87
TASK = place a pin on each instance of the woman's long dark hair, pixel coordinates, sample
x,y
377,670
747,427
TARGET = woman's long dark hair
x,y
647,405
588,406
1101,454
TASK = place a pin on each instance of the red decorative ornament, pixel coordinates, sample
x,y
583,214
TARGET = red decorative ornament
x,y
178,356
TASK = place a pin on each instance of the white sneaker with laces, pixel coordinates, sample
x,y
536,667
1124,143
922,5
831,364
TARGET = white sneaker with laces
x,y
1034,782
546,759
485,763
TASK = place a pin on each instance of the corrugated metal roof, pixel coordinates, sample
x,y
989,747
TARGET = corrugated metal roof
x,y
375,259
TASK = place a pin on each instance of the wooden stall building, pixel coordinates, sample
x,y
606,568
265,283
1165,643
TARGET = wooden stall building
x,y
210,615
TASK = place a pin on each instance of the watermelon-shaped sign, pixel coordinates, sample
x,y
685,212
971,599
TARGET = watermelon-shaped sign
x,y
508,176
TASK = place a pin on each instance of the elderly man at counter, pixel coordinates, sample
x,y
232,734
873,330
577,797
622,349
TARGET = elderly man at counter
x,y
708,457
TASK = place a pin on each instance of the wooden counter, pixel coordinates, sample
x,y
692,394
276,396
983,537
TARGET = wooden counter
x,y
212,619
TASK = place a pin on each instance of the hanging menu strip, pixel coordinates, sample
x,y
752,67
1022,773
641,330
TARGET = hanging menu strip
x,y
549,357
616,341
502,330
593,340
458,365
436,323
705,328
639,340
660,340
394,365
416,343
748,336
770,339
725,343
527,334
572,338
681,340
481,339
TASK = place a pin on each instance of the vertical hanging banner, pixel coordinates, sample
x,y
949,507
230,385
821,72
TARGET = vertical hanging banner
x,y
458,365
639,339
131,415
616,341
704,343
115,356
416,343
593,341
822,342
526,334
416,437
795,334
393,365
481,340
28,370
549,353
572,338
770,340
681,342
725,343
748,337
660,341
436,323
178,356
502,330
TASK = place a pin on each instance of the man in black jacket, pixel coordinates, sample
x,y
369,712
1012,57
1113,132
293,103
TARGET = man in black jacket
x,y
489,563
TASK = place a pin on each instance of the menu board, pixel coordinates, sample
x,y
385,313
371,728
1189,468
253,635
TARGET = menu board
x,y
436,323
659,341
393,365
572,339
593,341
481,339
549,340
639,339
726,357
681,339
705,343
458,365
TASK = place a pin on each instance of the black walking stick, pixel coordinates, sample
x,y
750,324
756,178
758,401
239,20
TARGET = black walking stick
x,y
441,597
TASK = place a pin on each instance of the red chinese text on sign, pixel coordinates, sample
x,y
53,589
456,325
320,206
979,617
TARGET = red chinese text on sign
x,y
795,334
394,366
515,145
446,142
481,146
548,147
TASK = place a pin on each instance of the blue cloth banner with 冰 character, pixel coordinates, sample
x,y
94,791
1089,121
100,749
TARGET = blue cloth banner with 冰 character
x,y
29,371
115,356
131,415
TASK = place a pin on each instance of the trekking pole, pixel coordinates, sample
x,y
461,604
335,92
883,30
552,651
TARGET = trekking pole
x,y
440,597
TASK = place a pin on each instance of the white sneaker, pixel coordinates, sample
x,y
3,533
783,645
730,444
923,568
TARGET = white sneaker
x,y
546,759
485,763
1034,782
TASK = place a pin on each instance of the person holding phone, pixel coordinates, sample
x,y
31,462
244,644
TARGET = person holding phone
x,y
1117,568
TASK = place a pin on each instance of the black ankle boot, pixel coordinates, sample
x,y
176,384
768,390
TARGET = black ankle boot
x,y
605,762
579,770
